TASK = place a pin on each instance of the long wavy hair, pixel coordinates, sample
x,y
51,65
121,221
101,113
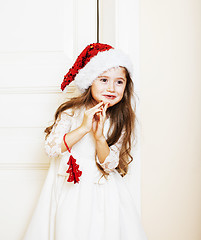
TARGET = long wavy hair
x,y
122,118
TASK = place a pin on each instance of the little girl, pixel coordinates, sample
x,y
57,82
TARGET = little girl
x,y
84,196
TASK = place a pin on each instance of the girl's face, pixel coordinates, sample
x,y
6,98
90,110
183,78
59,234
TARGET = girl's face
x,y
109,86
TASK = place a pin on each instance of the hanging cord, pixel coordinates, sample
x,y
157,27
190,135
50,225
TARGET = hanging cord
x,y
97,21
73,170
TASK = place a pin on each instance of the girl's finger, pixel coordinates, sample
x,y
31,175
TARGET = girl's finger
x,y
105,109
106,106
95,111
91,111
96,106
97,116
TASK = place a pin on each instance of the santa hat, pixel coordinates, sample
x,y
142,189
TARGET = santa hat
x,y
95,59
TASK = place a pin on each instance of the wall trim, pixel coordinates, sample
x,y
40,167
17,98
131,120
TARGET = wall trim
x,y
24,166
35,90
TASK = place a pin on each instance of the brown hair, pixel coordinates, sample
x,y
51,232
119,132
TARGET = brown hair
x,y
122,117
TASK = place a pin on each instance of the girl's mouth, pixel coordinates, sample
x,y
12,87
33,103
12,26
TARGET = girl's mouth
x,y
109,96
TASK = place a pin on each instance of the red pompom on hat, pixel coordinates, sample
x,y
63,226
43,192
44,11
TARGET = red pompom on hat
x,y
95,59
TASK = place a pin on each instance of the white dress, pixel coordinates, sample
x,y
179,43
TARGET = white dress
x,y
94,208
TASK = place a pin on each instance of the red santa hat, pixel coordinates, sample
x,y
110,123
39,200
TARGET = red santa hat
x,y
95,59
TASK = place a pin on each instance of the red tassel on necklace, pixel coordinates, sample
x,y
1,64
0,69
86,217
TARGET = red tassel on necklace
x,y
73,169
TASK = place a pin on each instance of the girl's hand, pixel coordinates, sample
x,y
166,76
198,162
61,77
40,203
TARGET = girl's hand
x,y
98,122
89,116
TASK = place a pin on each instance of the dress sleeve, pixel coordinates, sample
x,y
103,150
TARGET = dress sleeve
x,y
112,160
55,138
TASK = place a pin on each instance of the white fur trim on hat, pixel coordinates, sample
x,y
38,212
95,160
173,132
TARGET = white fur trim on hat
x,y
100,63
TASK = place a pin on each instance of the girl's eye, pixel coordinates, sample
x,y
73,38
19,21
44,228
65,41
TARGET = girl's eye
x,y
103,79
119,82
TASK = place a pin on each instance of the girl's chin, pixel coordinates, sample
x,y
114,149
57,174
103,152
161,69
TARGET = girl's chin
x,y
104,101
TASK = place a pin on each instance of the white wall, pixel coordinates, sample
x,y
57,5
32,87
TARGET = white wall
x,y
170,63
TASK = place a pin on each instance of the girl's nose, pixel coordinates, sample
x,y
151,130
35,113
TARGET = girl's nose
x,y
110,87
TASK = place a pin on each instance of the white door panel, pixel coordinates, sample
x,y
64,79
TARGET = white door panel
x,y
39,41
